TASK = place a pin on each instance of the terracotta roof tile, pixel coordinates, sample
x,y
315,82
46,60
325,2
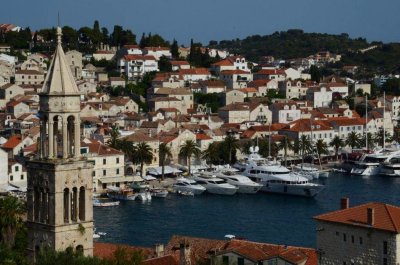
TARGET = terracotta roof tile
x,y
386,216
106,250
12,142
202,136
101,149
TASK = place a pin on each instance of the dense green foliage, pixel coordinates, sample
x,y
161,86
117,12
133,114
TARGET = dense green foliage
x,y
384,59
293,43
213,100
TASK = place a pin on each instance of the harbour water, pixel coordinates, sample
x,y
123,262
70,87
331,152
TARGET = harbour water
x,y
261,217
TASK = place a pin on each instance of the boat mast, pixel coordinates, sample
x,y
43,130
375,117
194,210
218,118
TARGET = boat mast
x,y
269,141
384,129
366,121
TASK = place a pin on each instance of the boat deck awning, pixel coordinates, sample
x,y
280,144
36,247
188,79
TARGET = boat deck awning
x,y
116,179
157,171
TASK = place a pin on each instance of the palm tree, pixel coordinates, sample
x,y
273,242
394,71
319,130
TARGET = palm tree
x,y
353,140
11,210
305,145
371,141
188,149
336,143
211,154
265,146
232,145
164,152
396,136
114,134
322,147
286,145
379,137
141,154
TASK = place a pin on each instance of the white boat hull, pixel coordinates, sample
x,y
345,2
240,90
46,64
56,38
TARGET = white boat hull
x,y
248,189
189,189
369,171
297,190
221,190
144,196
122,197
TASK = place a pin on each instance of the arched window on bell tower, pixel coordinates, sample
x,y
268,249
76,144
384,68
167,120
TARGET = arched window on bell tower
x,y
66,205
82,201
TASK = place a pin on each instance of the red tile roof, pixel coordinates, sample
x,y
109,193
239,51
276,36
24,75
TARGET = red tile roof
x,y
133,57
271,72
165,260
304,125
106,250
194,71
202,136
345,121
12,142
249,90
176,63
101,149
235,72
386,216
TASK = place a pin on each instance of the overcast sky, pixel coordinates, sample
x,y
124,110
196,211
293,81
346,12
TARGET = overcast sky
x,y
214,19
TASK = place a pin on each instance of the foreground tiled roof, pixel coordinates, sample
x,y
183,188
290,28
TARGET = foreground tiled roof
x,y
106,250
386,216
165,260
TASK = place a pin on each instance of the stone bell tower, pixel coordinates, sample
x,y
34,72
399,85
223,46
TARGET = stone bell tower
x,y
59,193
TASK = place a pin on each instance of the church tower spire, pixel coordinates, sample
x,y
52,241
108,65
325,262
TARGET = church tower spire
x,y
59,191
59,109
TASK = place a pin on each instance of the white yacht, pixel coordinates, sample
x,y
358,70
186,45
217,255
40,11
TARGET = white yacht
x,y
392,168
244,184
276,178
307,170
184,185
370,164
214,185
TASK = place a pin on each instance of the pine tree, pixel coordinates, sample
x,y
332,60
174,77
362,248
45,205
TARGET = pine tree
x,y
175,49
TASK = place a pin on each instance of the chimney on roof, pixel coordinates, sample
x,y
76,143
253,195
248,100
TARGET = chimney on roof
x,y
370,216
344,203
184,250
159,249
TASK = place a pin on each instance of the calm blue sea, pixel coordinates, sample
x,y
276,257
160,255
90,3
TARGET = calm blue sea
x,y
261,217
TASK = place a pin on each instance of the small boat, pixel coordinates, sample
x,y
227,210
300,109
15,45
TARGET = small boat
x,y
144,196
121,194
98,203
159,192
102,233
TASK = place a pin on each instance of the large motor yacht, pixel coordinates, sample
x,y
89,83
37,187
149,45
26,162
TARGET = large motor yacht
x,y
276,178
391,168
188,186
244,184
214,185
371,164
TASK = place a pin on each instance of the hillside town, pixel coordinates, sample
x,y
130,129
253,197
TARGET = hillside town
x,y
153,113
